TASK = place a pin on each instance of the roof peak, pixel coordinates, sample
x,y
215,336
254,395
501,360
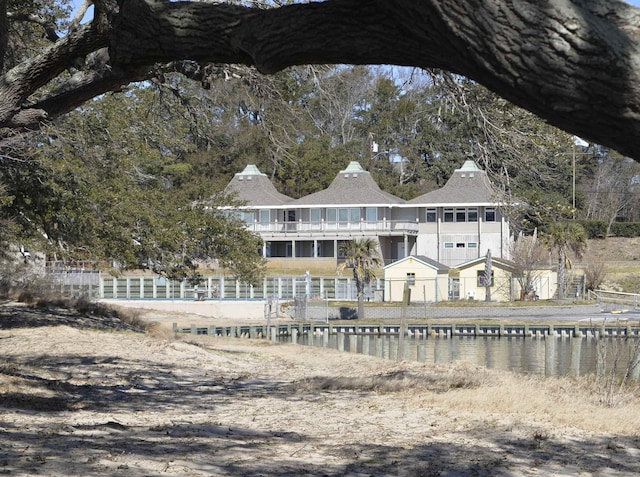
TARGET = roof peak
x,y
469,166
250,170
354,167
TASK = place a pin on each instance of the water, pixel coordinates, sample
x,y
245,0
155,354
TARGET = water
x,y
543,356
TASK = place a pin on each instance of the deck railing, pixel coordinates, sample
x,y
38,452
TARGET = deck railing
x,y
336,227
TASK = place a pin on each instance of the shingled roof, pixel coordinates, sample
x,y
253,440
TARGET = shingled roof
x,y
429,262
351,186
255,188
467,185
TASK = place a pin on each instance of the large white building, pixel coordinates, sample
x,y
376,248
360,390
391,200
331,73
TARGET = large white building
x,y
451,225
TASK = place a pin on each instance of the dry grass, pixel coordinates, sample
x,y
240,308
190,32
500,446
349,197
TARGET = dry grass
x,y
439,379
563,401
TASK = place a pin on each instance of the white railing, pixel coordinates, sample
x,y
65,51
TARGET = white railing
x,y
611,300
313,227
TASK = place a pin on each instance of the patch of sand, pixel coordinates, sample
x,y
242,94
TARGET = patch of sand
x,y
85,402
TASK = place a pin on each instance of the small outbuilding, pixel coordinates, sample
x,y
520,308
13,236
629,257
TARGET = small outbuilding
x,y
427,279
468,281
471,284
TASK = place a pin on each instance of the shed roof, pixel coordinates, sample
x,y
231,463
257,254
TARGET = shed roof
x,y
255,188
495,261
429,262
352,185
467,185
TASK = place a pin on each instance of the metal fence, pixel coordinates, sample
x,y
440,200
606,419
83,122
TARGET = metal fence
x,y
220,287
74,281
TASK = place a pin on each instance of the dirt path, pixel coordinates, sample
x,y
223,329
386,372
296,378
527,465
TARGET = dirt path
x,y
83,402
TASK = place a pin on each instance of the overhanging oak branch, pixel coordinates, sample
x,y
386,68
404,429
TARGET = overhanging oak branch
x,y
574,63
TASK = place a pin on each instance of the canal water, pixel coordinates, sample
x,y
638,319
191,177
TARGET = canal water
x,y
550,356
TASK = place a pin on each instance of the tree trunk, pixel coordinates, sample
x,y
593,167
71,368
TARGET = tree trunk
x,y
488,273
575,63
572,63
360,306
561,274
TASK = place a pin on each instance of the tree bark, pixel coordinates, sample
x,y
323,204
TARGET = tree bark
x,y
562,280
575,63
361,306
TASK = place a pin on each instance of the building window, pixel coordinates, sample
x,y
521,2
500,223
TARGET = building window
x,y
341,248
371,214
332,215
472,245
431,215
343,215
448,215
472,215
315,215
490,215
461,215
355,215
265,216
448,245
411,278
248,217
481,278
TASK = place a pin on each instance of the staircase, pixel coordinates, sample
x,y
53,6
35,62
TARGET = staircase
x,y
574,288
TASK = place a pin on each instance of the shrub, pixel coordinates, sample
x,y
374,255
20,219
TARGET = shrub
x,y
625,229
595,274
595,229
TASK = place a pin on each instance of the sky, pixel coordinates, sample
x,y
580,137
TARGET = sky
x,y
632,2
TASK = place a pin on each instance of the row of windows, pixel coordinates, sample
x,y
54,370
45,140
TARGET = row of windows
x,y
461,245
469,214
355,214
344,214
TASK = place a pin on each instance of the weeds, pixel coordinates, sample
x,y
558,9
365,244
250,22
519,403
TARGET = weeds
x,y
85,306
438,382
596,274
617,359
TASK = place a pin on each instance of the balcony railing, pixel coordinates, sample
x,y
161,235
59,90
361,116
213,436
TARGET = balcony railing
x,y
310,228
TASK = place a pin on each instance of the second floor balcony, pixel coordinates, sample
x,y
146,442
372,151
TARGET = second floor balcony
x,y
378,227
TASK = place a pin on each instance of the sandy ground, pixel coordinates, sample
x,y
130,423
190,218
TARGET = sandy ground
x,y
81,401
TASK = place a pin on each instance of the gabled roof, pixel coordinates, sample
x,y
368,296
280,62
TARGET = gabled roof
x,y
495,261
255,188
352,186
429,262
467,185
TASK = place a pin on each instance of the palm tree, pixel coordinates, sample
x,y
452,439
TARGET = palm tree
x,y
564,236
363,257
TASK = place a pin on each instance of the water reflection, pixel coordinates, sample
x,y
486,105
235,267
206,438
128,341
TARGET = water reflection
x,y
549,356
